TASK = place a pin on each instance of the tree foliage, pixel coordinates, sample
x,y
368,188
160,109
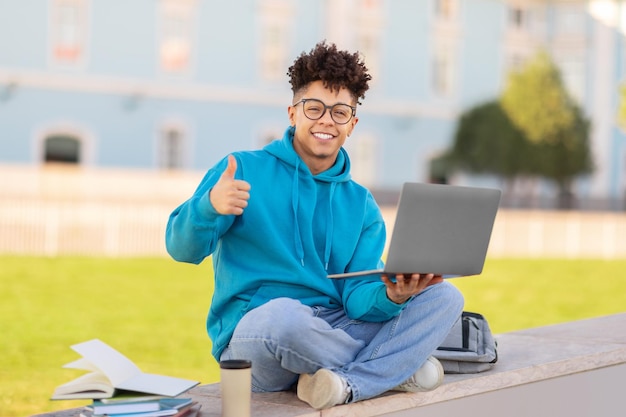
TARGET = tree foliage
x,y
533,129
487,142
566,156
537,102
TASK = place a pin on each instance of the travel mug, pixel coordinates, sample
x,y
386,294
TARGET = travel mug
x,y
236,387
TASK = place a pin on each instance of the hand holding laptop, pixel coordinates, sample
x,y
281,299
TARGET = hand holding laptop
x,y
403,286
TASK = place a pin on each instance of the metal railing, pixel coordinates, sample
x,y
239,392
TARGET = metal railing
x,y
52,228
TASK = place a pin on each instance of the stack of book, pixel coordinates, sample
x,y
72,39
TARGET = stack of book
x,y
119,388
143,406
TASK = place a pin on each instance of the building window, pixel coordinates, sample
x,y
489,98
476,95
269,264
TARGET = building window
x,y
176,33
443,71
62,148
172,148
276,18
445,37
514,61
445,10
363,151
273,57
368,46
570,20
357,25
369,28
574,77
518,18
68,30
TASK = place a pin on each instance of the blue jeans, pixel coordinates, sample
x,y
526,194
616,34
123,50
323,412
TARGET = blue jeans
x,y
285,338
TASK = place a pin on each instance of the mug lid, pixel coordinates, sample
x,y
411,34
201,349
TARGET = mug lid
x,y
235,364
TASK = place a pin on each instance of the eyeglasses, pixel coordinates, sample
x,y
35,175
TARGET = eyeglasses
x,y
315,109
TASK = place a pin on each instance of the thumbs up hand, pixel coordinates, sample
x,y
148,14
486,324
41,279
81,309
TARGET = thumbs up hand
x,y
230,196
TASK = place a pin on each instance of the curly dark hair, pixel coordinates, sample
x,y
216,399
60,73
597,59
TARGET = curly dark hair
x,y
335,68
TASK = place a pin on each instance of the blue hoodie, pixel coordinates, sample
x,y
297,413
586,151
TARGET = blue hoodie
x,y
296,229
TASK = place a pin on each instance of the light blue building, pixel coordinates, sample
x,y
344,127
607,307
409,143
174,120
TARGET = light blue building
x,y
177,84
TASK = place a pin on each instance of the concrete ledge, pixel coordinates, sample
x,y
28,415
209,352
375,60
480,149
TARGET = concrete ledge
x,y
526,357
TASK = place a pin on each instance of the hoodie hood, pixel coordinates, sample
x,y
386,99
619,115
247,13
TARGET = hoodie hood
x,y
283,150
339,172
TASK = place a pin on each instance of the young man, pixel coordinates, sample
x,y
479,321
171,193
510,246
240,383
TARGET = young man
x,y
278,221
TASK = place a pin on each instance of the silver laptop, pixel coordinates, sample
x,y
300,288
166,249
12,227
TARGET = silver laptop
x,y
441,229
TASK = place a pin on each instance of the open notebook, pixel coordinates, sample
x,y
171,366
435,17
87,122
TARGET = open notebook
x,y
441,229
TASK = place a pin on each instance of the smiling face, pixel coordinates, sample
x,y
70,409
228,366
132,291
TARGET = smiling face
x,y
318,141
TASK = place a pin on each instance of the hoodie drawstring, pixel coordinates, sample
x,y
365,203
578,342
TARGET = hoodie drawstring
x,y
329,226
294,205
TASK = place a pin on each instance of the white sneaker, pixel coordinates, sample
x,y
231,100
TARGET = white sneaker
x,y
323,389
427,378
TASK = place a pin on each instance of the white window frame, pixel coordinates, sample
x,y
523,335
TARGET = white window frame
x,y
370,25
570,19
445,11
68,33
275,34
364,151
176,33
164,157
573,70
85,138
518,17
444,69
357,25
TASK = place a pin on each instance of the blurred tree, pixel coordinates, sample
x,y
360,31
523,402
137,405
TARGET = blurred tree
x,y
534,129
564,157
536,100
487,142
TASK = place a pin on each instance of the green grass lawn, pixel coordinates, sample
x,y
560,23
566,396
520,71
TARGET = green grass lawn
x,y
153,310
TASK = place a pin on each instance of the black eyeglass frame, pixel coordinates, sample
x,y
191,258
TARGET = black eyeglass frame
x,y
326,107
